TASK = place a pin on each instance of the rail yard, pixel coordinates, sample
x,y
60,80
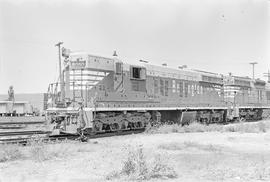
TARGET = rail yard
x,y
98,95
119,113
135,91
107,120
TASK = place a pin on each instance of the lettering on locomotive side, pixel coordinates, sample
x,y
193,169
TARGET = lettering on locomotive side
x,y
78,64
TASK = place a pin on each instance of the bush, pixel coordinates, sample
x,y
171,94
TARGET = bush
x,y
138,167
135,164
192,127
254,127
161,169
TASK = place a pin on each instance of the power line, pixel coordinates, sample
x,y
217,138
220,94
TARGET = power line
x,y
253,65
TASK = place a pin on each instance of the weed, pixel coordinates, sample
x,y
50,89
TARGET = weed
x,y
262,171
129,166
161,169
138,167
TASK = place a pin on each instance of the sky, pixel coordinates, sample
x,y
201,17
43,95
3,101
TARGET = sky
x,y
219,36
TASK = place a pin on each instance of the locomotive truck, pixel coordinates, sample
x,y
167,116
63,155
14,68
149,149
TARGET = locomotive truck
x,y
106,94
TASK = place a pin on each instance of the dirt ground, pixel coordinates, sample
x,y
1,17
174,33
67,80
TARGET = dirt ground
x,y
208,156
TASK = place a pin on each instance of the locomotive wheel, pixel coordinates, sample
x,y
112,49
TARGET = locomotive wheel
x,y
98,126
242,119
136,125
247,117
255,116
124,124
201,120
114,127
139,124
206,121
131,125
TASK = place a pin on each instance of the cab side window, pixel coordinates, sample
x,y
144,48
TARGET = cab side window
x,y
118,68
138,73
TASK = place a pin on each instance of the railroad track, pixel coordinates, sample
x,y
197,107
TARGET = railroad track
x,y
23,137
20,122
41,135
16,133
20,130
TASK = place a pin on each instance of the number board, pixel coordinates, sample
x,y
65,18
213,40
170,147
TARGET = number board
x,y
77,64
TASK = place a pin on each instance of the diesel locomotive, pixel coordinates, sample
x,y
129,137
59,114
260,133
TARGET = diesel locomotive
x,y
103,94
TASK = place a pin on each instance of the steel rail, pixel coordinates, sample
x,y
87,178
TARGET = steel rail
x,y
25,140
21,122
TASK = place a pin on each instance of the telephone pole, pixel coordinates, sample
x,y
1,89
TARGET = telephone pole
x,y
267,75
253,65
60,72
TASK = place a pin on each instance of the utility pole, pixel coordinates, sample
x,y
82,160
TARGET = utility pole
x,y
60,72
253,65
267,75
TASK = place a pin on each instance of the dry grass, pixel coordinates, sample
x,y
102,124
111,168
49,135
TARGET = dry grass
x,y
175,157
228,168
189,144
42,151
38,150
254,127
219,163
138,166
10,153
193,127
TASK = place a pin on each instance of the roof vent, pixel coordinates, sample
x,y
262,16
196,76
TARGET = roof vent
x,y
143,61
182,67
114,53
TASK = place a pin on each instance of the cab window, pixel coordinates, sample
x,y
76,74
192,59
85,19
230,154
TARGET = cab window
x,y
138,73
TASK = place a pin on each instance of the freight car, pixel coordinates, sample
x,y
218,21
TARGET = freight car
x,y
10,107
100,94
15,108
